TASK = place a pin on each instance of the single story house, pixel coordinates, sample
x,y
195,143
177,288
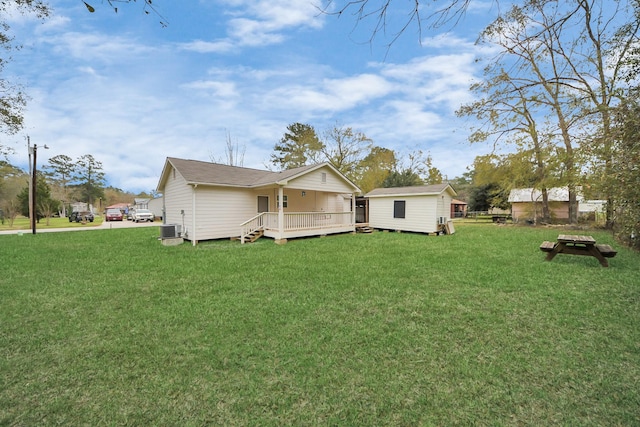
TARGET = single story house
x,y
213,201
526,203
422,209
120,206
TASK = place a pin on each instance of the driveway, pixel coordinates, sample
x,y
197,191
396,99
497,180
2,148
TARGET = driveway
x,y
89,226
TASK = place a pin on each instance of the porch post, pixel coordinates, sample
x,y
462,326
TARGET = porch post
x,y
280,238
353,209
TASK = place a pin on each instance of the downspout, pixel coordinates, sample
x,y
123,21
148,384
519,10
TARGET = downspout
x,y
194,240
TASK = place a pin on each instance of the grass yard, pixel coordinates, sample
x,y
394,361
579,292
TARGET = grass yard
x,y
112,328
22,223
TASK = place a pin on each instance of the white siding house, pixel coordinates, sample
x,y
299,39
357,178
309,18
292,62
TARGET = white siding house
x,y
213,201
422,209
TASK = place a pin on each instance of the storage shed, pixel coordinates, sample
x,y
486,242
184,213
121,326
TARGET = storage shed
x,y
421,209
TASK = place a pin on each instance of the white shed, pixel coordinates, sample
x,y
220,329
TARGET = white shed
x,y
422,209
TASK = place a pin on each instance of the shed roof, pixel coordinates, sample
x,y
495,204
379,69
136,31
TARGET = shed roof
x,y
418,190
207,173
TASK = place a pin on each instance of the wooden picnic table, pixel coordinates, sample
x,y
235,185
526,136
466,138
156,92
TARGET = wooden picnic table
x,y
578,245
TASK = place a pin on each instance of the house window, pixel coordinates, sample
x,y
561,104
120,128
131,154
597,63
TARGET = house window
x,y
285,201
324,177
398,208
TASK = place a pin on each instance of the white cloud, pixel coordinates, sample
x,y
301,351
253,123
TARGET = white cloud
x,y
201,46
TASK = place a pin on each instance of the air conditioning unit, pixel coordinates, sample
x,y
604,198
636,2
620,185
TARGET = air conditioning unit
x,y
442,220
170,231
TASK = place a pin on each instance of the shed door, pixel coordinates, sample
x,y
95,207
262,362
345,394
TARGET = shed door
x,y
263,204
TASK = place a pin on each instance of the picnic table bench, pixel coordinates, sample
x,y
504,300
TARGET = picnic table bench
x,y
578,245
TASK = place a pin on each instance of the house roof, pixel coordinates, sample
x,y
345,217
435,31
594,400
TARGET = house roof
x,y
418,190
118,206
528,195
458,202
207,173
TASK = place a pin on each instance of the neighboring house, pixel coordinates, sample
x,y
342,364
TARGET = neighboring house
x,y
422,209
593,210
155,206
120,206
214,201
140,203
526,204
458,209
81,207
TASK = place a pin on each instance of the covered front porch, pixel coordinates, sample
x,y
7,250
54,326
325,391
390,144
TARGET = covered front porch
x,y
283,226
292,213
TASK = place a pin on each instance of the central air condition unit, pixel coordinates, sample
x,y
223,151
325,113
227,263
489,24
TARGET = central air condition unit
x,y
170,231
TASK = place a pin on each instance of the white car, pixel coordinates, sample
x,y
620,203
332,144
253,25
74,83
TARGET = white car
x,y
143,215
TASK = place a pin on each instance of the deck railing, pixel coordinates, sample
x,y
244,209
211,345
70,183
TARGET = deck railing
x,y
296,222
307,220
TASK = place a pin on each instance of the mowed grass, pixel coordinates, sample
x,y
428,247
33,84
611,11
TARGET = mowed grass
x,y
22,223
112,328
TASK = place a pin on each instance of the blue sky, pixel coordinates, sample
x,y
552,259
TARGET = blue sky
x,y
130,92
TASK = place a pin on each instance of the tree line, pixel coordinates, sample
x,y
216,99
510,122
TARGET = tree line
x,y
561,95
61,182
355,155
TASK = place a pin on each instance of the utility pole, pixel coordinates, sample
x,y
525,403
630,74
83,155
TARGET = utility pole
x,y
30,181
33,185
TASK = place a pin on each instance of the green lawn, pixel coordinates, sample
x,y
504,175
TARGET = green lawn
x,y
112,328
22,223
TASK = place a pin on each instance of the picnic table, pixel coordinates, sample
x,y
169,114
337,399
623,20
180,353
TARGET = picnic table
x,y
578,245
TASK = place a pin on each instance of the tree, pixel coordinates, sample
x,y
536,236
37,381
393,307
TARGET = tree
x,y
45,205
558,72
447,11
60,170
89,178
12,181
148,8
345,149
12,97
234,154
376,167
421,165
402,178
299,146
625,178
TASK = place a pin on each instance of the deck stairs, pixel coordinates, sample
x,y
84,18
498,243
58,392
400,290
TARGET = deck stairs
x,y
363,228
254,235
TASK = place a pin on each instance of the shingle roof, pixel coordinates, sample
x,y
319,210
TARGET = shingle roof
x,y
414,190
199,172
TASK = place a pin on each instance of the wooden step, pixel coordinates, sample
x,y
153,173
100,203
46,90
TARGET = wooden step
x,y
253,236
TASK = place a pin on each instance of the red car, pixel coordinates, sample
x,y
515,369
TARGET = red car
x,y
113,215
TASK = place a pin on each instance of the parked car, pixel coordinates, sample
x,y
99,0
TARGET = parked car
x,y
81,216
113,215
142,215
